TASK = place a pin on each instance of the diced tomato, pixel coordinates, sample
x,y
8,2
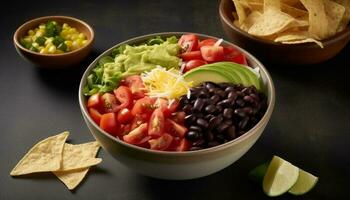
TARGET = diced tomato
x,y
212,53
191,55
233,55
124,96
138,120
174,128
109,124
156,123
193,64
94,101
161,143
95,115
138,135
136,86
144,105
184,145
124,116
189,42
167,109
178,117
207,42
124,129
109,103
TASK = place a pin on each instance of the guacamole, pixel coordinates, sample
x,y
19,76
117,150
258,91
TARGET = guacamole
x,y
130,60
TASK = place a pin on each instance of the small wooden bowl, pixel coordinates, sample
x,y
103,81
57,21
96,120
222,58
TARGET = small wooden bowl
x,y
54,61
272,52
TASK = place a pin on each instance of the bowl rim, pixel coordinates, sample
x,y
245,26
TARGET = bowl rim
x,y
325,42
251,132
38,19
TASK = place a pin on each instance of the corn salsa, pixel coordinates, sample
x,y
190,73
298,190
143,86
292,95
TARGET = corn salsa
x,y
52,38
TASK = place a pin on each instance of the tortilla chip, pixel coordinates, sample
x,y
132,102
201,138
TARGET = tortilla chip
x,y
79,156
45,156
271,22
346,18
240,11
292,36
72,178
308,40
335,13
318,22
272,4
250,20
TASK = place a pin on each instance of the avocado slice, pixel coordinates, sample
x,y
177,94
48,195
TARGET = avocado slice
x,y
199,75
233,76
248,77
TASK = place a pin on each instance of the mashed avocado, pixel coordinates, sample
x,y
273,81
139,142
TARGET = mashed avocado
x,y
130,60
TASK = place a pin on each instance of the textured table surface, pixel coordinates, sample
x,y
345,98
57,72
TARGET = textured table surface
x,y
310,126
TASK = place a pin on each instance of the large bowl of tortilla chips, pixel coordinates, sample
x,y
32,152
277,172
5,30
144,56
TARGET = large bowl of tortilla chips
x,y
288,32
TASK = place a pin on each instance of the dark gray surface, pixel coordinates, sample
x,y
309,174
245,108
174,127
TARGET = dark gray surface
x,y
310,126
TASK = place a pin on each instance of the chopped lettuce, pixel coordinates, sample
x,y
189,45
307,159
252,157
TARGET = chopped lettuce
x,y
127,60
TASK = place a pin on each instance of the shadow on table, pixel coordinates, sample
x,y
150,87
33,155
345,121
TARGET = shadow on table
x,y
66,81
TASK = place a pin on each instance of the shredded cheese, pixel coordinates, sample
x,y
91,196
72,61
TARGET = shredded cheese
x,y
162,83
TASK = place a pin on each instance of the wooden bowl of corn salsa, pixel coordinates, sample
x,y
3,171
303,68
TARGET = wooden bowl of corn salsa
x,y
54,41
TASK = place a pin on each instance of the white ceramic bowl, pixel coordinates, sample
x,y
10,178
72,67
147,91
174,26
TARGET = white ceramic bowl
x,y
179,165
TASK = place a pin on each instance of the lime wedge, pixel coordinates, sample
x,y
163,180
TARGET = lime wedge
x,y
280,177
258,173
305,183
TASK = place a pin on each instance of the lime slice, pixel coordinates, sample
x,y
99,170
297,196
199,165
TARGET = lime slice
x,y
305,183
280,177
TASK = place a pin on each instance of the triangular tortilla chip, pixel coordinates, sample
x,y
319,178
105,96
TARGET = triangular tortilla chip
x,y
45,156
308,40
271,22
292,36
79,156
250,20
346,18
318,22
72,178
335,13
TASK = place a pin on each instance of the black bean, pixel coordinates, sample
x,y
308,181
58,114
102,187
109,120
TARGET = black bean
x,y
193,135
232,95
241,133
210,108
248,110
221,93
222,127
240,112
213,90
228,113
195,128
215,121
210,85
243,123
213,144
190,119
195,148
198,114
198,143
198,104
183,101
230,89
202,123
209,136
254,96
248,99
228,122
187,108
208,117
214,99
224,85
224,103
240,102
219,109
220,138
204,93
231,133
